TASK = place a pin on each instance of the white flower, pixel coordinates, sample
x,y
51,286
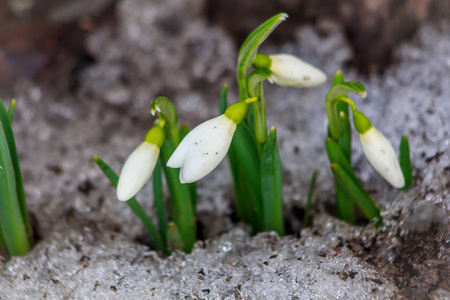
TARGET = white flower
x,y
289,70
203,148
381,156
137,170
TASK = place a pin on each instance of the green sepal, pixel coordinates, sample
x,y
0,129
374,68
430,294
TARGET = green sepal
x,y
312,186
249,49
255,88
158,200
137,209
165,110
338,78
405,162
357,195
174,239
272,181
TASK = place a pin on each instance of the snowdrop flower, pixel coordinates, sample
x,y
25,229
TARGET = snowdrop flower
x,y
289,70
139,166
379,151
207,144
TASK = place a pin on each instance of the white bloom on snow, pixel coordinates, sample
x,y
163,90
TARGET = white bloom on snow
x,y
203,148
381,156
289,70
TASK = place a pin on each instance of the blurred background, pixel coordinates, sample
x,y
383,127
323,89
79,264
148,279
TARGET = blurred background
x,y
45,40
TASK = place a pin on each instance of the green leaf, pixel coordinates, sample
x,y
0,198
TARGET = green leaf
x,y
137,209
255,88
158,197
249,49
345,130
174,240
165,110
11,109
344,205
272,181
359,196
338,78
181,210
405,162
5,122
338,90
312,186
11,219
184,130
246,167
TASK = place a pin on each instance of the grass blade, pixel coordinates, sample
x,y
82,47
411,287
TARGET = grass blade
x,y
357,195
272,181
5,121
137,209
405,162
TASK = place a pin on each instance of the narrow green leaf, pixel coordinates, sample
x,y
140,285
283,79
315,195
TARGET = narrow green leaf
x,y
359,196
184,130
345,130
255,88
181,210
249,49
5,121
344,205
3,248
338,78
174,240
335,155
272,181
11,109
312,186
244,148
11,220
137,209
405,162
158,197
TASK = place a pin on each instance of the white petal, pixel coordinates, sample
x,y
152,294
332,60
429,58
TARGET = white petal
x,y
137,170
208,150
289,70
177,158
381,156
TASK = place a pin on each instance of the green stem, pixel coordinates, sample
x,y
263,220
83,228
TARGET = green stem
x,y
158,197
135,207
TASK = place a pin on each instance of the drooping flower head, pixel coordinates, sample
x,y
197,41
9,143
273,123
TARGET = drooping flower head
x,y
139,166
378,150
207,144
289,70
